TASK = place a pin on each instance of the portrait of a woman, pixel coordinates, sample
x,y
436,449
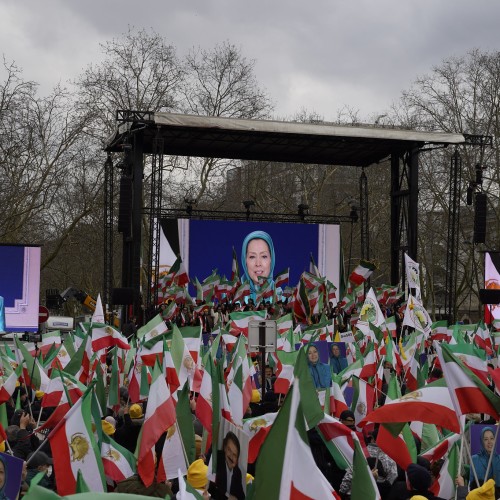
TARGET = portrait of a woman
x,y
257,259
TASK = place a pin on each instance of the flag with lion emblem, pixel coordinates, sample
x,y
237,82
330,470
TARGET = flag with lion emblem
x,y
74,449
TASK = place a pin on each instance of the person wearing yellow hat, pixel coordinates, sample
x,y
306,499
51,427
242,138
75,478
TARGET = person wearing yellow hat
x,y
484,492
255,396
197,475
108,428
135,411
127,434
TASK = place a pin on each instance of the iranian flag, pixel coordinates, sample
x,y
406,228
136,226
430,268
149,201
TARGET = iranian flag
x,y
74,449
444,485
284,373
286,342
48,340
439,331
62,385
118,462
79,365
150,353
160,415
239,321
300,303
32,371
286,468
282,278
339,439
104,336
398,441
363,399
242,292
257,428
284,323
364,485
442,448
193,338
390,322
362,272
152,329
209,386
337,401
138,377
431,404
482,339
235,396
468,393
8,387
185,353
473,358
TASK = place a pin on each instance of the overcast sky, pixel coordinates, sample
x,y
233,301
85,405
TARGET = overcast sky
x,y
317,55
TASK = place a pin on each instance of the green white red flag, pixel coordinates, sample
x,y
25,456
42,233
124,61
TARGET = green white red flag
x,y
363,486
282,278
74,449
398,443
119,464
444,486
430,404
160,415
104,336
239,321
362,272
284,372
257,428
9,384
286,468
468,393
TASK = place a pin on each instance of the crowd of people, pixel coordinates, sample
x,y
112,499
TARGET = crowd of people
x,y
124,422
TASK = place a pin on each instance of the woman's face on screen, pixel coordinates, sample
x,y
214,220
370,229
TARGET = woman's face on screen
x,y
258,260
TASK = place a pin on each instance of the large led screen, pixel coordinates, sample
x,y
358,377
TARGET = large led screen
x,y
205,245
20,286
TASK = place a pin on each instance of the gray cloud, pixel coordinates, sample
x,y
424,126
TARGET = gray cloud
x,y
319,55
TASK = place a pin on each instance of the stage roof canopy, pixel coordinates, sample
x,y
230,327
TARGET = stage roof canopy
x,y
266,140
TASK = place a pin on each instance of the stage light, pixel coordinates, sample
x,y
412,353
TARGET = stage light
x,y
190,202
303,210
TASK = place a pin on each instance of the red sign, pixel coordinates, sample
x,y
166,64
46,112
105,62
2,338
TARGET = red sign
x,y
43,314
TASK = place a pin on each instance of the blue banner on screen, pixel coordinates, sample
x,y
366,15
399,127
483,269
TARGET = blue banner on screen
x,y
205,245
20,286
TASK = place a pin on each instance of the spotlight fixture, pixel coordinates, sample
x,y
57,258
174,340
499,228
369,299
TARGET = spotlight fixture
x,y
190,202
303,210
248,204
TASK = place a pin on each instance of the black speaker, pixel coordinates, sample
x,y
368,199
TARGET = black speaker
x,y
125,205
489,296
480,218
52,298
122,296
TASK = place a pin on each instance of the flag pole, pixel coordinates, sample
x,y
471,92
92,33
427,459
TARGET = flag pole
x,y
467,449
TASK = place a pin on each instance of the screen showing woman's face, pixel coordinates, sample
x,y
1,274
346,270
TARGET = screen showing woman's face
x,y
258,260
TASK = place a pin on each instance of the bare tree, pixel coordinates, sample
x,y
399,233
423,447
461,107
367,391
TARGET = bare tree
x,y
460,95
140,71
219,82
